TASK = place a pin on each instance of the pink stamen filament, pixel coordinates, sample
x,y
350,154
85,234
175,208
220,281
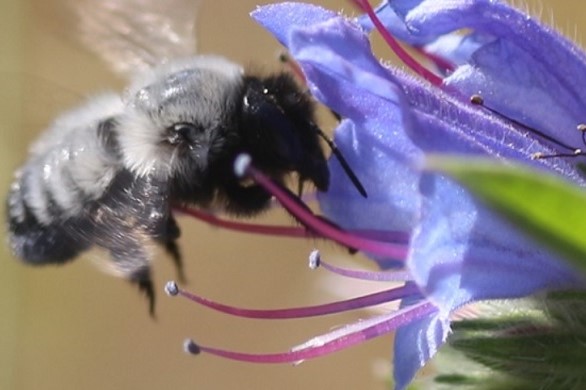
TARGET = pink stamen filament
x,y
334,341
375,276
307,311
407,59
271,230
397,237
322,227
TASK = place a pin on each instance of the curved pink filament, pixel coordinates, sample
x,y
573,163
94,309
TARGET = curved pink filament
x,y
407,59
308,311
376,276
350,336
322,227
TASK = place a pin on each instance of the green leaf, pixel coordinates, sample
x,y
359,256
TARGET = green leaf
x,y
548,208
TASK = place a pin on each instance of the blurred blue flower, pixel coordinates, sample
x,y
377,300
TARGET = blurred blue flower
x,y
530,98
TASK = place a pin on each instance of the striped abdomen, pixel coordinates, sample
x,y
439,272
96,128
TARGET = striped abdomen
x,y
71,165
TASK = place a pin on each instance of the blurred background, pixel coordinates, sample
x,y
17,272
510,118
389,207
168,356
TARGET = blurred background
x,y
75,327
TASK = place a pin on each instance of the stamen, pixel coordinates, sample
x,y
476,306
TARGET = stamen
x,y
477,100
573,152
407,59
189,346
337,340
362,325
541,156
242,164
316,261
319,225
171,288
253,228
374,299
397,237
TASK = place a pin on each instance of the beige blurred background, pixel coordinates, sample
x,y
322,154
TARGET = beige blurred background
x,y
74,327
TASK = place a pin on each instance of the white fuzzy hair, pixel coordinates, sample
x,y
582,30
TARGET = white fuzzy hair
x,y
67,157
218,64
141,135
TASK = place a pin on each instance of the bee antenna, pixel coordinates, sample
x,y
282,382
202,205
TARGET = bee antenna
x,y
347,169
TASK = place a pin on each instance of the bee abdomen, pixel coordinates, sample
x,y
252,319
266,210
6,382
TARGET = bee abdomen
x,y
47,202
70,167
36,242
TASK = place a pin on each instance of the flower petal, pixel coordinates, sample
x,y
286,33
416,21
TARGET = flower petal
x,y
395,23
543,69
344,75
282,18
457,48
415,344
441,123
461,252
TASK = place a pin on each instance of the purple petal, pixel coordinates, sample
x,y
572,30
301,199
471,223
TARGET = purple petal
x,y
282,18
394,23
343,74
441,123
461,252
522,69
415,344
457,48
522,89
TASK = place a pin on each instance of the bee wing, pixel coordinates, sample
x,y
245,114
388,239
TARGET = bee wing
x,y
132,35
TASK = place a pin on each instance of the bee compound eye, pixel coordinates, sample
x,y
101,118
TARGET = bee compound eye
x,y
183,132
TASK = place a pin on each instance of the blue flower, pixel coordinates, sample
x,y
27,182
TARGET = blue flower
x,y
528,82
509,89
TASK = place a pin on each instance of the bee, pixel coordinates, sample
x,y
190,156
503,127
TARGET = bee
x,y
108,172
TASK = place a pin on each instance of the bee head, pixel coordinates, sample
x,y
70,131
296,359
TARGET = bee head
x,y
175,114
188,123
279,131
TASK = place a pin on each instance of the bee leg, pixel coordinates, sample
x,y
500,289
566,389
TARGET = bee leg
x,y
169,242
173,250
131,261
142,277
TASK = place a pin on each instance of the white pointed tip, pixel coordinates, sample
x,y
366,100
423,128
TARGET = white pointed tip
x,y
171,288
241,164
314,259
